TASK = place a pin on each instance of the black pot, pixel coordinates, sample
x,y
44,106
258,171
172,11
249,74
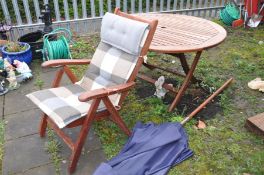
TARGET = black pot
x,y
34,40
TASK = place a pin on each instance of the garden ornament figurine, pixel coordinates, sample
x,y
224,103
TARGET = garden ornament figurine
x,y
11,75
3,89
3,73
13,84
22,68
2,83
160,91
7,65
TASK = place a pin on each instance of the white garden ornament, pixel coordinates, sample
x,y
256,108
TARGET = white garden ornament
x,y
22,67
160,91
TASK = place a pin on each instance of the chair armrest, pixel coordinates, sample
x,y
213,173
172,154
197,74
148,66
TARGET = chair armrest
x,y
62,62
99,93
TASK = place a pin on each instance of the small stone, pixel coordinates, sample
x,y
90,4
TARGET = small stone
x,y
64,161
6,122
173,61
260,42
201,125
241,112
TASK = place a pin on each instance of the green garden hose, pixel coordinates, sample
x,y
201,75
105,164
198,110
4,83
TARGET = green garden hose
x,y
57,49
229,14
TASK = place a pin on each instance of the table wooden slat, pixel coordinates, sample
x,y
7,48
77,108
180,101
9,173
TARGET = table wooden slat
x,y
180,33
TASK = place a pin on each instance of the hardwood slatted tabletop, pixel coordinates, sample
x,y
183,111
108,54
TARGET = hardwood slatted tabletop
x,y
180,33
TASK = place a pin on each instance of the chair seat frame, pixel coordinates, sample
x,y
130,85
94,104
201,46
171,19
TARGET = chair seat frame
x,y
96,96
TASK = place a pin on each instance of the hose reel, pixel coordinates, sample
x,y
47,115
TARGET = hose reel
x,y
57,47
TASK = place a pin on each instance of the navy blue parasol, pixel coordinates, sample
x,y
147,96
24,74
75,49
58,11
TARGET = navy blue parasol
x,y
151,150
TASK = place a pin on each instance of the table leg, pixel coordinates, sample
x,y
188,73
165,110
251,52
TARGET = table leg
x,y
184,63
187,79
185,66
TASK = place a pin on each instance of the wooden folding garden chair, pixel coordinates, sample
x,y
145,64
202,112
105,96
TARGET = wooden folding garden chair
x,y
125,40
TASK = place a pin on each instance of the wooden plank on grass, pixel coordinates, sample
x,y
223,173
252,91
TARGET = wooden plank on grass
x,y
256,124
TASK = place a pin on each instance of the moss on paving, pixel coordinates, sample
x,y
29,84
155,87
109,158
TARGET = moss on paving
x,y
225,146
53,147
2,130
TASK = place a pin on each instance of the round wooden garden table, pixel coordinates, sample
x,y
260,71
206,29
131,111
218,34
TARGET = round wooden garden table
x,y
179,34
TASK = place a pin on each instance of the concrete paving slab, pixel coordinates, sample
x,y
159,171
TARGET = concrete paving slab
x,y
92,153
87,164
22,124
48,77
41,170
15,102
92,142
23,154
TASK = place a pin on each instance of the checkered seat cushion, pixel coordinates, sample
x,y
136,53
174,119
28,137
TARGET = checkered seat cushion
x,y
61,104
109,66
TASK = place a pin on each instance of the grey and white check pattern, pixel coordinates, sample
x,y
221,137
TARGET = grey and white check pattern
x,y
109,66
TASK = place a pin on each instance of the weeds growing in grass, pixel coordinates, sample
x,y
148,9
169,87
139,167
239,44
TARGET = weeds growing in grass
x,y
39,83
53,148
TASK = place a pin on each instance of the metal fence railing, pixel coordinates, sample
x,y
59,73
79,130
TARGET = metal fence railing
x,y
84,16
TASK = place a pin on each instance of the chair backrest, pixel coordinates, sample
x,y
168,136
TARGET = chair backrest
x,y
125,39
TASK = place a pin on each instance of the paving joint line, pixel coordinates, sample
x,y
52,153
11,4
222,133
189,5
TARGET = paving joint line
x,y
24,171
96,149
3,108
21,111
9,140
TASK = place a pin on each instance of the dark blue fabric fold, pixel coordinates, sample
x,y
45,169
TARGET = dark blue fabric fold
x,y
151,150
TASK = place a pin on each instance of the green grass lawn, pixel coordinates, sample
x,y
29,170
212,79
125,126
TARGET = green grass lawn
x,y
225,146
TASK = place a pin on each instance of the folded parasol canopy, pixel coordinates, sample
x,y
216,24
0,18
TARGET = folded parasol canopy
x,y
151,150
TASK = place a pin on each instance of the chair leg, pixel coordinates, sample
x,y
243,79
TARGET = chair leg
x,y
115,116
83,134
77,151
43,125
